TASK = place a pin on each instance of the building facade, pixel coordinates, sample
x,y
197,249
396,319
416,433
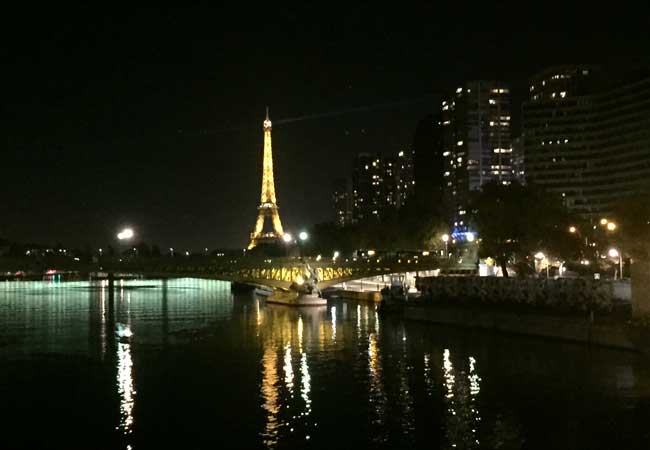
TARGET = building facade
x,y
585,141
380,184
476,142
342,201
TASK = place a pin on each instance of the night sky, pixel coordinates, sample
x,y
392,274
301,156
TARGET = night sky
x,y
153,117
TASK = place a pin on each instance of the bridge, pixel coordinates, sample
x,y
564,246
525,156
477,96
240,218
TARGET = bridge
x,y
282,272
272,272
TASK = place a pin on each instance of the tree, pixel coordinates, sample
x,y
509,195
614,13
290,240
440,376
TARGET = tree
x,y
633,215
515,221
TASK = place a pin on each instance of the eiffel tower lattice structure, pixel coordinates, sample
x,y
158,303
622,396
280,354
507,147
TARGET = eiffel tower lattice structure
x,y
268,209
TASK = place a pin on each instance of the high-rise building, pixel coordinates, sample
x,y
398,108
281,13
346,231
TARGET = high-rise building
x,y
367,187
428,164
518,159
476,142
342,201
381,183
399,179
586,140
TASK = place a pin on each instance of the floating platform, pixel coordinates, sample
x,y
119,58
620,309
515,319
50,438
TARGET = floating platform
x,y
292,298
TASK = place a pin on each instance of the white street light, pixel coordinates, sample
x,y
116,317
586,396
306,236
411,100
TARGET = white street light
x,y
303,236
336,254
539,256
614,253
126,233
445,239
286,237
470,237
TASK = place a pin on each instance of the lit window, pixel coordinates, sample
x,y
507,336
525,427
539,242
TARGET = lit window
x,y
552,94
447,174
446,122
493,101
563,94
445,154
445,108
459,159
459,90
459,143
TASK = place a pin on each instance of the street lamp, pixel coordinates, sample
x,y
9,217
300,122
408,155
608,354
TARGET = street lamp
x,y
614,253
445,239
572,229
603,221
611,226
470,237
126,233
336,255
303,236
286,237
539,256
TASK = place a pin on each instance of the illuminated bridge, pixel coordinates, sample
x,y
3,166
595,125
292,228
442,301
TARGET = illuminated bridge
x,y
280,272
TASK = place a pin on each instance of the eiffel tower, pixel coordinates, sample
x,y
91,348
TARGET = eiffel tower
x,y
268,208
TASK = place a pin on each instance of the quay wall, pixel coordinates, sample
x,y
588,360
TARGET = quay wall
x,y
578,310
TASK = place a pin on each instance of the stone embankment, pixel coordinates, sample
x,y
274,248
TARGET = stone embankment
x,y
589,311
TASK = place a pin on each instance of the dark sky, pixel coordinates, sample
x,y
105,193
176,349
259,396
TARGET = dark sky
x,y
153,117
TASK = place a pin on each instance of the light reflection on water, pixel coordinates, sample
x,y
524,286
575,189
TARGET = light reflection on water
x,y
290,378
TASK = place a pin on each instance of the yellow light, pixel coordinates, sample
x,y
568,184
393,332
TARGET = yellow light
x,y
371,252
425,253
613,253
299,280
572,229
540,255
445,238
611,226
603,221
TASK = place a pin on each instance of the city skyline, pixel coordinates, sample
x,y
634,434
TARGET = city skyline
x,y
110,125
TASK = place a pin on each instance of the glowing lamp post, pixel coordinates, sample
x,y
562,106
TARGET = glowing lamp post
x,y
541,257
445,239
125,234
614,253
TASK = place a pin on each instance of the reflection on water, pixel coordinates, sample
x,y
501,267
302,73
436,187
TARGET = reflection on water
x,y
125,387
200,368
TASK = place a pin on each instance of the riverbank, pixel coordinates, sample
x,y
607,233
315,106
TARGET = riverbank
x,y
585,311
616,333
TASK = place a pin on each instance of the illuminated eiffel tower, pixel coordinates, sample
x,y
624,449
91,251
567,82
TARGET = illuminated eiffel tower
x,y
268,208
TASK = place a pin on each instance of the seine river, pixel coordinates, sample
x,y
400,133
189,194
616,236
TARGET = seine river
x,y
185,364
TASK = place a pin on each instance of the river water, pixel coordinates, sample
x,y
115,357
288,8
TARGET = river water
x,y
186,364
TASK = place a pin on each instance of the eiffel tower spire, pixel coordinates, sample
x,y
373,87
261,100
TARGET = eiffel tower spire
x,y
268,208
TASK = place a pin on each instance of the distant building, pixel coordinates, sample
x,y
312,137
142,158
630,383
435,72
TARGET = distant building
x,y
399,178
380,184
476,142
342,201
587,140
428,163
518,160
